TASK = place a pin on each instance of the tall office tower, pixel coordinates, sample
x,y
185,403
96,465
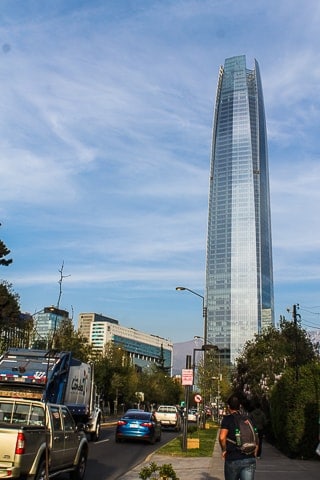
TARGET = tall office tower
x,y
239,278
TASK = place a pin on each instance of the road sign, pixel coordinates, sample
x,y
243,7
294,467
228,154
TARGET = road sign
x,y
198,398
187,376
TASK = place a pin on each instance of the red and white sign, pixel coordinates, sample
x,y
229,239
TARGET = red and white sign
x,y
198,398
187,376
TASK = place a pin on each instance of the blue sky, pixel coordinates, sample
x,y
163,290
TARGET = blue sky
x,y
105,120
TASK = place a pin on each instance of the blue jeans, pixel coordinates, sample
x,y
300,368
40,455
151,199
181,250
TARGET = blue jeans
x,y
240,469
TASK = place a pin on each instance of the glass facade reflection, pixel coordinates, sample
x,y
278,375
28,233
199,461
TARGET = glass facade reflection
x,y
239,278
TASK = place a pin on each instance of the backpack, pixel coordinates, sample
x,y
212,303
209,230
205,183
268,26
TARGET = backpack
x,y
245,433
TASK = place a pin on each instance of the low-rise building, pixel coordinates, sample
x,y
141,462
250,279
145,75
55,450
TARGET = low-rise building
x,y
144,349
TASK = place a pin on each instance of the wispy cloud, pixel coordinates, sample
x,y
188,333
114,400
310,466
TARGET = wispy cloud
x,y
106,118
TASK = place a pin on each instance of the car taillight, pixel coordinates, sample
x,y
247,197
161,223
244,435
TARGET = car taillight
x,y
146,424
121,422
20,445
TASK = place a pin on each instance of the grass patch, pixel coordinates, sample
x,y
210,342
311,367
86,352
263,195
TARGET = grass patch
x,y
207,438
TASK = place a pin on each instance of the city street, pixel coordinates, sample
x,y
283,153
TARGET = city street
x,y
109,460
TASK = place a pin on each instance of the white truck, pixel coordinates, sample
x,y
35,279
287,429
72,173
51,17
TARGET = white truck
x,y
54,377
169,417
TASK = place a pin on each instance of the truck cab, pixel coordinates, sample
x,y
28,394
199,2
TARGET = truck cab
x,y
37,437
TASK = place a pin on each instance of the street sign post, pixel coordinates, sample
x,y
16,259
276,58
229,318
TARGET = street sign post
x,y
187,376
197,398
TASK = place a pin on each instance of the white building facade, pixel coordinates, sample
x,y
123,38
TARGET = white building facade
x,y
144,349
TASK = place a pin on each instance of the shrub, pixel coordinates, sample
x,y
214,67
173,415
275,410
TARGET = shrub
x,y
295,411
157,472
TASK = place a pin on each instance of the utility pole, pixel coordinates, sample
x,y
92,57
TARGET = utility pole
x,y
295,316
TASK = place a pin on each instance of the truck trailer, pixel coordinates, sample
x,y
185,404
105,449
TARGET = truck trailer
x,y
52,377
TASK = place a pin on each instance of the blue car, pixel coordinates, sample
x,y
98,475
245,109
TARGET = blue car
x,y
138,425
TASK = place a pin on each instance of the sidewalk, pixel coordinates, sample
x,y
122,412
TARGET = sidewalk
x,y
193,468
272,466
276,466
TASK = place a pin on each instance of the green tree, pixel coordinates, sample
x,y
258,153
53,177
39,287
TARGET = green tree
x,y
295,411
278,368
265,358
66,338
159,387
160,365
212,377
13,326
118,381
4,252
116,377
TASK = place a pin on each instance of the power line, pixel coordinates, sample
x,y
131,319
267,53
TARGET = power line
x,y
307,322
309,311
311,326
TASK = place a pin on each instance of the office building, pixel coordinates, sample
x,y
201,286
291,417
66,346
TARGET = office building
x,y
239,277
46,323
144,349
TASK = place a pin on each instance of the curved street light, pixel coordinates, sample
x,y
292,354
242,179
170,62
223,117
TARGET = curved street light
x,y
204,309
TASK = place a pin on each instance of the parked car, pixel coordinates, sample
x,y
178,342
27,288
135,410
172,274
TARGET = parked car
x,y
138,425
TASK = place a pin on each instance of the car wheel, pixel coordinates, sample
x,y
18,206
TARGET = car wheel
x,y
41,471
96,435
78,473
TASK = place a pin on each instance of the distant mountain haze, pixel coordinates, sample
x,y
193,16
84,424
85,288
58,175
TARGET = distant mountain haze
x,y
182,349
180,352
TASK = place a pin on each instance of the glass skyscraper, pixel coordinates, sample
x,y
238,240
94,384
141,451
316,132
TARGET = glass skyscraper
x,y
239,277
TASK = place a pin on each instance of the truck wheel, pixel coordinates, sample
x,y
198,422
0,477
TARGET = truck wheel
x,y
41,472
96,435
78,473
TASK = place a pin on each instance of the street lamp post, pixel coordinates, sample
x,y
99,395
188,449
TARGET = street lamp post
x,y
211,346
204,309
204,314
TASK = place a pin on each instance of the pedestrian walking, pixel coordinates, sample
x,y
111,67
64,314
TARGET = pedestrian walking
x,y
238,465
260,421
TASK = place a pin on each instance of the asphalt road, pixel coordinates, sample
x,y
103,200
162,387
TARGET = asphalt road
x,y
109,460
